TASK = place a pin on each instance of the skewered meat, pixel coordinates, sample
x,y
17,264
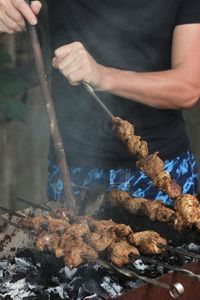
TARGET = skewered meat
x,y
155,210
121,253
47,241
100,225
147,242
101,240
164,182
57,225
37,223
62,213
77,230
180,224
137,147
123,129
151,165
135,206
189,208
117,197
121,230
76,253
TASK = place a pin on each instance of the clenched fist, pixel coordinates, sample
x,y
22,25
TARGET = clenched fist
x,y
13,12
77,65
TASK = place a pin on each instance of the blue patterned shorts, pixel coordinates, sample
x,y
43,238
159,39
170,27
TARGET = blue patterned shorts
x,y
182,169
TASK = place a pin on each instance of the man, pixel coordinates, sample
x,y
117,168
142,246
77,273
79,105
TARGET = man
x,y
144,59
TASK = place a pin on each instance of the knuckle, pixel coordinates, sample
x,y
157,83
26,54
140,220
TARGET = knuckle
x,y
78,44
19,3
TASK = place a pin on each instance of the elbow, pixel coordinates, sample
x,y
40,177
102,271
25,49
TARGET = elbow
x,y
190,98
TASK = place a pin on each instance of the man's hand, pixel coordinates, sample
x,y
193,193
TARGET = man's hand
x,y
77,65
13,12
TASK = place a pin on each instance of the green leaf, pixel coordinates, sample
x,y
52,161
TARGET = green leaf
x,y
10,85
13,109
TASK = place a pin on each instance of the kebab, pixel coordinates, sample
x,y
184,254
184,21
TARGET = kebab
x,y
185,216
150,164
121,196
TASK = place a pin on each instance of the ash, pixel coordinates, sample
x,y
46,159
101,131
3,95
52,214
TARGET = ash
x,y
41,276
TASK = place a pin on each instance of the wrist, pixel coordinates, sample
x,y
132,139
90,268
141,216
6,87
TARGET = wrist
x,y
106,83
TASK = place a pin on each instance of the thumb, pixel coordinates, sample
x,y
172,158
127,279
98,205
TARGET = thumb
x,y
36,6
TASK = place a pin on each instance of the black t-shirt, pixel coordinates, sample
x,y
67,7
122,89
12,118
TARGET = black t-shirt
x,y
126,34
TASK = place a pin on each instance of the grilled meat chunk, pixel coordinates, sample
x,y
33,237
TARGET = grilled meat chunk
x,y
99,225
117,197
62,213
38,223
155,210
124,130
47,241
121,253
189,208
77,230
180,224
57,225
164,182
136,206
101,240
137,147
76,252
147,242
122,230
151,165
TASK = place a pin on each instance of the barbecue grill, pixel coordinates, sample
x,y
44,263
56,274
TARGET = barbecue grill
x,y
19,261
29,274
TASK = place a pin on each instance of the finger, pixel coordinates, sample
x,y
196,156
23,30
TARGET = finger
x,y
66,49
75,78
15,15
10,24
4,28
70,61
26,11
36,7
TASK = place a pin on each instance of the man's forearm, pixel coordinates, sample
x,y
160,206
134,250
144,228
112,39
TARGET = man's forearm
x,y
170,89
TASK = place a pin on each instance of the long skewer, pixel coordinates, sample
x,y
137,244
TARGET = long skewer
x,y
18,226
175,290
180,251
55,133
98,100
167,266
11,212
42,207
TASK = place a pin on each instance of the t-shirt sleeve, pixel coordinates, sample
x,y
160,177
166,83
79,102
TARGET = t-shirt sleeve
x,y
189,12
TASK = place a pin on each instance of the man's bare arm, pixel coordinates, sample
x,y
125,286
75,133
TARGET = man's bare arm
x,y
176,88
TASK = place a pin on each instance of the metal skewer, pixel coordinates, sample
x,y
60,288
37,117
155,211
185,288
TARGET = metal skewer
x,y
167,266
45,208
18,226
94,95
175,290
11,212
180,251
